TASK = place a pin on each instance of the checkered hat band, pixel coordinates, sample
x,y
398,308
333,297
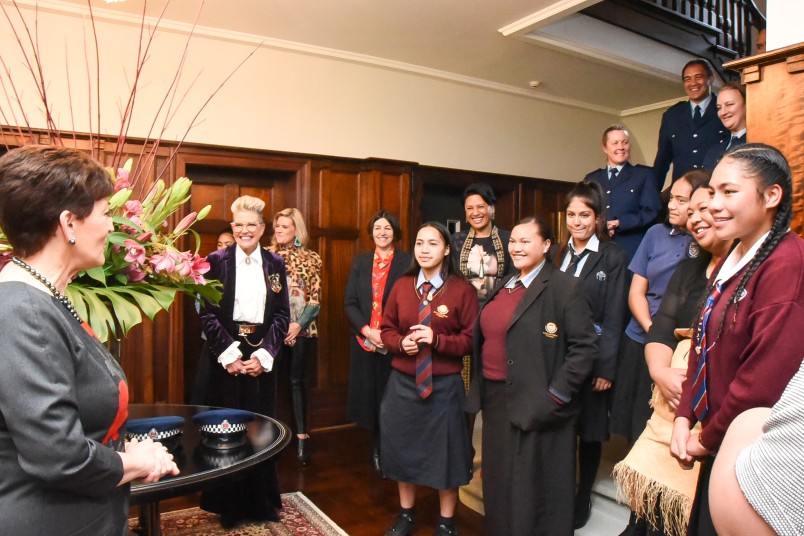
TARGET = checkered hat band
x,y
154,434
223,428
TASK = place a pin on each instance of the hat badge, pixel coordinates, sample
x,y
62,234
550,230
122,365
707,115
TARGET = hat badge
x,y
225,425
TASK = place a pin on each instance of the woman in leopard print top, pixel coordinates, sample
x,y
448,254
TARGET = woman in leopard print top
x,y
304,286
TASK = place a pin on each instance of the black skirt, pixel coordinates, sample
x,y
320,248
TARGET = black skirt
x,y
593,422
368,375
425,442
632,391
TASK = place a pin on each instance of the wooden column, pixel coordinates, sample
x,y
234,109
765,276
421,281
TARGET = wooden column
x,y
774,84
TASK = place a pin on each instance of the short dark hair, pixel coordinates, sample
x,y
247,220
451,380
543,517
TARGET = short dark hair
x,y
447,267
699,61
38,183
380,214
483,190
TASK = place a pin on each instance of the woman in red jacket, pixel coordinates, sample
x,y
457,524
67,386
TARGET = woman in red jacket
x,y
748,340
427,327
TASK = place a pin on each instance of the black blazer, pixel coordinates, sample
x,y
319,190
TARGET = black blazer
x,y
551,346
216,320
605,281
683,145
357,302
716,152
632,198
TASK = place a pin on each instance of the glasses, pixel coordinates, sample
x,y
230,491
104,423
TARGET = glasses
x,y
250,227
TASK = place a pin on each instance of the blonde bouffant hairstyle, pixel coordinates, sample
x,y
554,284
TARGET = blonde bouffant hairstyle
x,y
298,222
246,203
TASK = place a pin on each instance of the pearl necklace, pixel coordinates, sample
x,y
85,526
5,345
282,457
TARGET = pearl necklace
x,y
64,300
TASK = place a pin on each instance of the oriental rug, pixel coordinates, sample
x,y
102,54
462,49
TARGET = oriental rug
x,y
298,516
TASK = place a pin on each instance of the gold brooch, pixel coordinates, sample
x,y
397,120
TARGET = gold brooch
x,y
550,330
442,311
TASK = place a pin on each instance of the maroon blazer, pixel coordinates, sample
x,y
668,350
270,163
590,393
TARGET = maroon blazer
x,y
216,320
761,345
454,308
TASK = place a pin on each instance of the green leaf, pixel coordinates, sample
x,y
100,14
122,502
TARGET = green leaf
x,y
100,319
126,313
97,274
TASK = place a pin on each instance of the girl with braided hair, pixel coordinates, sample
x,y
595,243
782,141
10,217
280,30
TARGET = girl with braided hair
x,y
748,339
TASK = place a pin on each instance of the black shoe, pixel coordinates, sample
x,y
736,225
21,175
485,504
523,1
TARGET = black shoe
x,y
444,530
304,452
403,526
228,521
583,511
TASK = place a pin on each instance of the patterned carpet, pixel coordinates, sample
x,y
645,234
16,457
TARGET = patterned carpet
x,y
298,516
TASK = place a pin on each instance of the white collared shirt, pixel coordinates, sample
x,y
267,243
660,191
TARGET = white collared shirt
x,y
734,263
592,245
250,289
436,281
528,279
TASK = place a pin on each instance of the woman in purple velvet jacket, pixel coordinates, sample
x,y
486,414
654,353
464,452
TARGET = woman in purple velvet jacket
x,y
246,331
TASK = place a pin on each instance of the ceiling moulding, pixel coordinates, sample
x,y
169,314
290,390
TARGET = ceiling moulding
x,y
651,107
550,14
56,6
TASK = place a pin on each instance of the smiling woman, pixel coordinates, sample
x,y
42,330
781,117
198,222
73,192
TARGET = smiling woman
x,y
750,324
534,347
63,397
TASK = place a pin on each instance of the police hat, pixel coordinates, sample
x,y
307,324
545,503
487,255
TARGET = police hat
x,y
223,428
166,430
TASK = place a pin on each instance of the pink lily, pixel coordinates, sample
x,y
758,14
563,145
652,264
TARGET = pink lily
x,y
135,252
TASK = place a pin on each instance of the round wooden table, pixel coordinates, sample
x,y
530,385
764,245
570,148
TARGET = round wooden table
x,y
201,465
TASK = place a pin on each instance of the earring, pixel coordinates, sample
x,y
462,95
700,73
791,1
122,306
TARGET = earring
x,y
71,241
297,242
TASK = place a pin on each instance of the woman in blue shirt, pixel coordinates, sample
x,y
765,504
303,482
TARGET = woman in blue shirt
x,y
665,245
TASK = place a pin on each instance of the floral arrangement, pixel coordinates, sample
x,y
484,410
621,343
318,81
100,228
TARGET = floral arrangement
x,y
144,268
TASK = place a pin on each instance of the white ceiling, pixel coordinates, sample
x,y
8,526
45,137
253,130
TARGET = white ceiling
x,y
462,37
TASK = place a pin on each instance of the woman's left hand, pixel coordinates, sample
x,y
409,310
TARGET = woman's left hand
x,y
253,367
421,334
293,331
601,384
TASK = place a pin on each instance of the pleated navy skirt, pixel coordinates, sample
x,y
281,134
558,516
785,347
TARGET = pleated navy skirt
x,y
425,442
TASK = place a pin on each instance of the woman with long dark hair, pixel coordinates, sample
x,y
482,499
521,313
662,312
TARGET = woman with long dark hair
x,y
427,327
601,266
658,491
665,245
371,279
748,339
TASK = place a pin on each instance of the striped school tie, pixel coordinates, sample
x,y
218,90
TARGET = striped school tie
x,y
700,401
424,360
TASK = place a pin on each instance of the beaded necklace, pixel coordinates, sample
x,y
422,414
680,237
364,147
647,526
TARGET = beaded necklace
x,y
61,298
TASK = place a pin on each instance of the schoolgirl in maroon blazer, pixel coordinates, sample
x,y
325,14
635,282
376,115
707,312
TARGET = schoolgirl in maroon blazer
x,y
748,342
